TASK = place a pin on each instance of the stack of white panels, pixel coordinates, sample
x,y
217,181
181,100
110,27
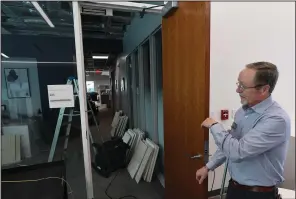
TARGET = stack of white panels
x,y
11,149
141,136
118,124
137,159
149,170
119,131
115,122
144,155
132,138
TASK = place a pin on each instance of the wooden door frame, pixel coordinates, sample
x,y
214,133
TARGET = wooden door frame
x,y
178,17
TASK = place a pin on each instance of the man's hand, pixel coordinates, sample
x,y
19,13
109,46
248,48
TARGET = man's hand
x,y
208,122
202,174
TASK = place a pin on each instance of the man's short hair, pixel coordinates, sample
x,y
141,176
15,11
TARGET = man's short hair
x,y
266,74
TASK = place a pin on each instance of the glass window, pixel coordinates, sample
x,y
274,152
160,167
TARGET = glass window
x,y
28,125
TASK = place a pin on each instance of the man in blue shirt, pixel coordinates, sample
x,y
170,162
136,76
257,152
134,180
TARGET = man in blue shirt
x,y
257,144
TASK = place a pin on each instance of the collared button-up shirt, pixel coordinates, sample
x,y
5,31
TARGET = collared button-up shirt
x,y
256,146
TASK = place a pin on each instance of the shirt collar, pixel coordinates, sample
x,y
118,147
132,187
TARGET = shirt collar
x,y
262,106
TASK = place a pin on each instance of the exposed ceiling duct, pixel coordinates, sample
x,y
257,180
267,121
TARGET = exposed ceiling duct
x,y
21,17
90,9
99,20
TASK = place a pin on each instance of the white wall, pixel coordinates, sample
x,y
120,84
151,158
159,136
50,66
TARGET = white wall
x,y
245,32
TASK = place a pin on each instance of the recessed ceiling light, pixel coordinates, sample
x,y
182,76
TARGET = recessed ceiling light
x,y
100,57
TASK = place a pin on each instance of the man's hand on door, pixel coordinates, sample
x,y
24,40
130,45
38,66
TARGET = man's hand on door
x,y
208,122
202,174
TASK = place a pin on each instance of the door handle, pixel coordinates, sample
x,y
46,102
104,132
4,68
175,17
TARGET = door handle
x,y
198,156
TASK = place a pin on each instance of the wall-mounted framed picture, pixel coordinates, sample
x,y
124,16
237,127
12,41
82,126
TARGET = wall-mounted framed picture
x,y
17,82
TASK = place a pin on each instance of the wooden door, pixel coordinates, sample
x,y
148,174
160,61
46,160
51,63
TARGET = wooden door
x,y
186,65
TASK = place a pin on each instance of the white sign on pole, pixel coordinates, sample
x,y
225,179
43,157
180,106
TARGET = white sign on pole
x,y
60,96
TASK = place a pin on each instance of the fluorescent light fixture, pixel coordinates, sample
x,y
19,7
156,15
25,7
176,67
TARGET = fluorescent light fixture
x,y
42,13
100,57
3,55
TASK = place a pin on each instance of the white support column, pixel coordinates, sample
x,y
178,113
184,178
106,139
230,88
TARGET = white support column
x,y
82,98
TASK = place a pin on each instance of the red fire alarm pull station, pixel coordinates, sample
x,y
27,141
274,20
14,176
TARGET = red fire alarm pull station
x,y
224,114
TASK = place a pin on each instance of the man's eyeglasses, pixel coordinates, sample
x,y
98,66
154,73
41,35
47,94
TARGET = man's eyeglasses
x,y
242,87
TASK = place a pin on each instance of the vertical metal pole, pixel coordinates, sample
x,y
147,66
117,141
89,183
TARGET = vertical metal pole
x,y
224,178
82,98
142,89
134,89
153,81
128,68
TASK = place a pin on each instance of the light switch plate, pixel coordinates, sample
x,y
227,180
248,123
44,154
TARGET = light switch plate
x,y
212,114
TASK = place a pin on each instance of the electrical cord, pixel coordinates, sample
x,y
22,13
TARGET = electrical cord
x,y
213,176
213,181
37,180
109,185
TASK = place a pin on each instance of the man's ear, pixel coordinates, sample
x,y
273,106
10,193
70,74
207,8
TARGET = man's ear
x,y
265,89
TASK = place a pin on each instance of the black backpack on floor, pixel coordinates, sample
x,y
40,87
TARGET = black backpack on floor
x,y
111,156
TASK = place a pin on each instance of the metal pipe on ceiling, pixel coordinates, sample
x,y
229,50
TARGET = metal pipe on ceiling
x,y
38,26
86,35
35,62
93,71
42,13
7,11
126,6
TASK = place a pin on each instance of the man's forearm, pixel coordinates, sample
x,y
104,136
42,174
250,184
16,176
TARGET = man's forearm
x,y
217,160
265,135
